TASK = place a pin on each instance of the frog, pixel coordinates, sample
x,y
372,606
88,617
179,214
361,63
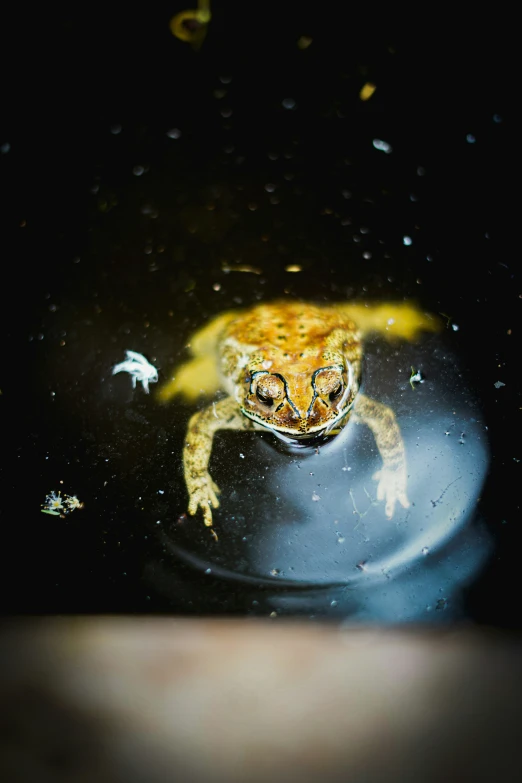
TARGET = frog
x,y
292,368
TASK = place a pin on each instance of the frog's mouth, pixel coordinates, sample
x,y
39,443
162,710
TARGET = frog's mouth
x,y
306,437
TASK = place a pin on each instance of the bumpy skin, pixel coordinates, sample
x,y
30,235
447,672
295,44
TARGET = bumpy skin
x,y
293,368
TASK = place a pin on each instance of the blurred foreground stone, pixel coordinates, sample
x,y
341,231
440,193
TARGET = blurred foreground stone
x,y
156,700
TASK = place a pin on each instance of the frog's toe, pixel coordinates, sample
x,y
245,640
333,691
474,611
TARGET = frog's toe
x,y
403,499
212,498
193,505
207,515
391,488
216,490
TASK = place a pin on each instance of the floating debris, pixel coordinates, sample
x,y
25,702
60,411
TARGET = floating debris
x,y
415,377
498,384
254,270
138,368
191,25
59,506
367,91
383,146
293,268
304,42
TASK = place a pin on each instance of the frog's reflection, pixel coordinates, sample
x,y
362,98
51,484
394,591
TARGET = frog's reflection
x,y
311,519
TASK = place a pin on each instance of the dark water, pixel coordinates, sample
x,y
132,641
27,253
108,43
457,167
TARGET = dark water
x,y
156,187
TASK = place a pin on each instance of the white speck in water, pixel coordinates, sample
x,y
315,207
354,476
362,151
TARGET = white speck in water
x,y
241,455
208,571
226,113
407,240
116,128
138,171
288,103
346,468
158,521
340,538
273,614
217,286
470,138
275,571
455,327
413,197
498,384
425,550
367,255
315,496
497,118
421,171
333,603
346,194
390,321
5,148
161,491
270,187
383,146
174,133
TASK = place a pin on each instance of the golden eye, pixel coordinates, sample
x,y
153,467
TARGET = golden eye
x,y
336,392
265,399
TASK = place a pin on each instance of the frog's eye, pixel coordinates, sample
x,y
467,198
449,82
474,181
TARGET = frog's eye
x,y
328,382
335,393
264,398
270,388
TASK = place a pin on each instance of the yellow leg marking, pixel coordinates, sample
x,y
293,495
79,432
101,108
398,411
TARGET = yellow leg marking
x,y
205,340
193,379
199,376
390,319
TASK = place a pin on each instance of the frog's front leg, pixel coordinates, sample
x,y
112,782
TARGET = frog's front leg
x,y
222,415
392,477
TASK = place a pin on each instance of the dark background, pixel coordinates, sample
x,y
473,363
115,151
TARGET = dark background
x,y
70,75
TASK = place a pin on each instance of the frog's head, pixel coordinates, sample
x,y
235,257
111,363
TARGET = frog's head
x,y
300,403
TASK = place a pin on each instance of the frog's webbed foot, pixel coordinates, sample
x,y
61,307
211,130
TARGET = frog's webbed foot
x,y
203,492
392,488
